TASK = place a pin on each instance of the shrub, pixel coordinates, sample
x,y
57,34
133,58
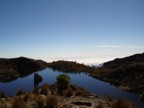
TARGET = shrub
x,y
20,92
63,82
121,104
18,103
51,102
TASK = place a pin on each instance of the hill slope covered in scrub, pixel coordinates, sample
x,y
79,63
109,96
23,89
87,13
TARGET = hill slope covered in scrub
x,y
126,73
11,69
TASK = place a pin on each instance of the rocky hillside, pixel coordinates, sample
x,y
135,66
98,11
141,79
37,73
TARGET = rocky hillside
x,y
126,73
11,69
137,58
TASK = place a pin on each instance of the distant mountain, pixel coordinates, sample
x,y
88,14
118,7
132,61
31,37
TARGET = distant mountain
x,y
15,67
137,58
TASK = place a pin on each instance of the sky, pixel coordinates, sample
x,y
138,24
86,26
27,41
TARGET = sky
x,y
86,31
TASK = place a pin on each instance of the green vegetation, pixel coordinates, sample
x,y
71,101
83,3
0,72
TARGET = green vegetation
x,y
63,82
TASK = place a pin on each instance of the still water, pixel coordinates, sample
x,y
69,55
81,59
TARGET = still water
x,y
80,79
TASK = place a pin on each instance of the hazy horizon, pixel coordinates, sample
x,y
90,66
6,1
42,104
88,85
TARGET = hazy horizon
x,y
89,32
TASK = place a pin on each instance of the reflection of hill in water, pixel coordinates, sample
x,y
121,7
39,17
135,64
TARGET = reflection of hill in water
x,y
10,69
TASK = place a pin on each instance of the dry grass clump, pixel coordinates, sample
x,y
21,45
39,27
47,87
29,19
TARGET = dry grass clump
x,y
20,92
18,103
29,97
68,92
100,105
2,95
45,90
81,92
51,102
121,104
40,101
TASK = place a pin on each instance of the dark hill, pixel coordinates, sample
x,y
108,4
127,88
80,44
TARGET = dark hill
x,y
69,66
127,73
11,69
137,58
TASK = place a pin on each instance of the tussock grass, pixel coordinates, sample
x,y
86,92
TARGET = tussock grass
x,y
121,104
68,92
18,103
45,90
40,101
20,92
29,97
2,95
51,102
100,105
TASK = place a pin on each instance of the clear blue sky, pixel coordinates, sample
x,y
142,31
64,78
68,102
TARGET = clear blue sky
x,y
89,31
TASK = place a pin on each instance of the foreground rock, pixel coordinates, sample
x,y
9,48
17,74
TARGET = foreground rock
x,y
10,69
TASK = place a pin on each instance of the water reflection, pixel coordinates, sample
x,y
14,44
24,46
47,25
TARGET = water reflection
x,y
80,79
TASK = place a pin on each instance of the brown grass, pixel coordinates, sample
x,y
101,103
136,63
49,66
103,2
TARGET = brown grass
x,y
100,105
121,104
18,103
68,92
51,102
20,92
29,97
81,92
40,101
2,95
45,90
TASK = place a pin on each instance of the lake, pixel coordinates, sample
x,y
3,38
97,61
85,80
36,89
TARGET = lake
x,y
80,79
